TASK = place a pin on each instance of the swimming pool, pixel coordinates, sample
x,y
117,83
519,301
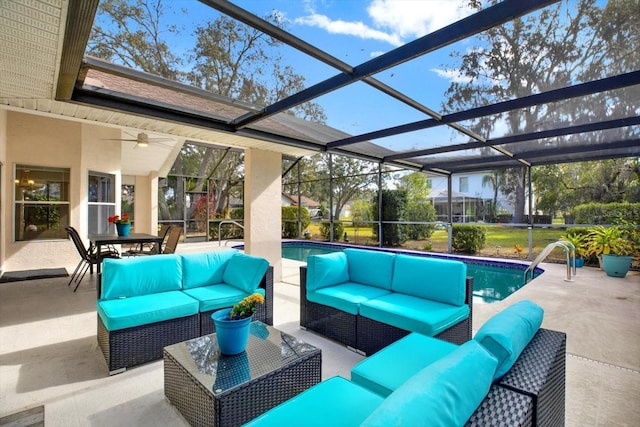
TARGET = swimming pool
x,y
492,280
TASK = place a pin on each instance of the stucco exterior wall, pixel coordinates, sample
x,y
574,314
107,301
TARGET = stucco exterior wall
x,y
43,141
262,210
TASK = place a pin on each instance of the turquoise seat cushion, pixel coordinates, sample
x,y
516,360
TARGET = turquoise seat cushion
x,y
141,276
430,278
245,272
413,314
371,268
346,296
506,334
333,402
141,310
218,296
204,268
392,366
326,270
444,394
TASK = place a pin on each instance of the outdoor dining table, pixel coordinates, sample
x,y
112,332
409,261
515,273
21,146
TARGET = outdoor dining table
x,y
99,240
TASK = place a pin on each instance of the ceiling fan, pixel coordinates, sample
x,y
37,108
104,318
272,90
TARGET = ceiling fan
x,y
143,140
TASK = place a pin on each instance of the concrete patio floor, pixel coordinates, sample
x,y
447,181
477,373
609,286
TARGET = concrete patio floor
x,y
49,354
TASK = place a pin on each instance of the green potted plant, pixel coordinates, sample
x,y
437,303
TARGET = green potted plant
x,y
614,246
579,241
233,324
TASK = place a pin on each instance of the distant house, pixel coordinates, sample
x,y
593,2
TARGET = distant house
x,y
312,205
470,198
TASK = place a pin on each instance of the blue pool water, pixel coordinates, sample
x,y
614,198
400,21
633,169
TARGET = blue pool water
x,y
492,280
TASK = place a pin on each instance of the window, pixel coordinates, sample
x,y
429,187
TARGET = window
x,y
41,203
464,184
102,202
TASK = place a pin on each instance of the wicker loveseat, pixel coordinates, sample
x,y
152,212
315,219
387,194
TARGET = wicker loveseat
x,y
368,299
512,373
148,303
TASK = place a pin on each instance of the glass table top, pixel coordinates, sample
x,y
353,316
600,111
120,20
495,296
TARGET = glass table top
x,y
268,350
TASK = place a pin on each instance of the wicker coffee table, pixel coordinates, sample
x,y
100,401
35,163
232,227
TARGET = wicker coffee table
x,y
210,389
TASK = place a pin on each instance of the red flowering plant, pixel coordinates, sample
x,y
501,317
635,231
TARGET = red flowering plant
x,y
117,220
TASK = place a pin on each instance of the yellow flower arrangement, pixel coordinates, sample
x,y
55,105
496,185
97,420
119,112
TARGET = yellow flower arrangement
x,y
246,307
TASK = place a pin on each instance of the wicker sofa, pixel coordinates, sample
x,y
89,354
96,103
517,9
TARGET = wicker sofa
x,y
512,373
368,299
148,303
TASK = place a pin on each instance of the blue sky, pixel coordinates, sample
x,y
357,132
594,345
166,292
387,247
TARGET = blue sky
x,y
356,31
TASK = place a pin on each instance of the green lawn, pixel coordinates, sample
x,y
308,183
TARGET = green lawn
x,y
500,240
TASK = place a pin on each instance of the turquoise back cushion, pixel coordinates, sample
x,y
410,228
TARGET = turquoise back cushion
x,y
445,393
326,270
204,268
245,272
430,278
507,333
141,275
371,268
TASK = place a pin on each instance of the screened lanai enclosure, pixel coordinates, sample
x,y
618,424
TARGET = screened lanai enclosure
x,y
496,89
362,100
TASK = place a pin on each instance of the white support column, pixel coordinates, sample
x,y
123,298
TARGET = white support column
x,y
262,207
146,204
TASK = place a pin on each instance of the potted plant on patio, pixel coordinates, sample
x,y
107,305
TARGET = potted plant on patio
x,y
123,225
579,242
233,324
615,246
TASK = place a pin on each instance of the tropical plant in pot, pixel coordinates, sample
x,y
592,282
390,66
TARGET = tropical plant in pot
x,y
579,242
614,246
123,225
233,324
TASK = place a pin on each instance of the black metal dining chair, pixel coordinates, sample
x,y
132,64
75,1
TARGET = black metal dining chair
x,y
88,257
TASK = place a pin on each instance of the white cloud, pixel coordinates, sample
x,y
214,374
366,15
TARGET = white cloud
x,y
452,75
413,19
357,29
393,21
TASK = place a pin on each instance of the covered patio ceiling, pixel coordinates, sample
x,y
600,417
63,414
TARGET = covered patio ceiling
x,y
88,88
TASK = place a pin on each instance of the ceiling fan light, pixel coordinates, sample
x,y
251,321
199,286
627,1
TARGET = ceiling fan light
x,y
142,144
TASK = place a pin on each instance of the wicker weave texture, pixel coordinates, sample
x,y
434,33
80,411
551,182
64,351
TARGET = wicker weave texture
x,y
540,372
368,335
129,347
200,407
503,407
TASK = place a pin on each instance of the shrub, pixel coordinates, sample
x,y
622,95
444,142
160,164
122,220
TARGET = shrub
x,y
606,213
468,239
420,212
325,229
290,221
394,204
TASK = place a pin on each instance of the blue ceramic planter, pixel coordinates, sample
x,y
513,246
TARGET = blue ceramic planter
x,y
232,335
123,229
616,265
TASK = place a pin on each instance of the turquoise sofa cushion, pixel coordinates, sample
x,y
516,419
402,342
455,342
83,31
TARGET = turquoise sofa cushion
x,y
430,278
371,268
413,314
445,393
333,402
507,333
346,296
392,366
326,270
204,268
141,276
245,272
141,310
218,296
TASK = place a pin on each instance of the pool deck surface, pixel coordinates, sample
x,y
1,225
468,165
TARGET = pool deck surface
x,y
49,354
